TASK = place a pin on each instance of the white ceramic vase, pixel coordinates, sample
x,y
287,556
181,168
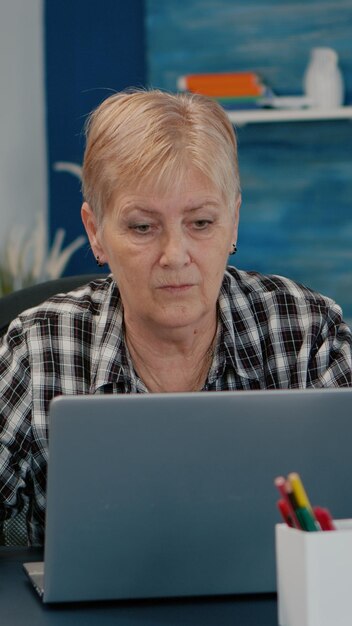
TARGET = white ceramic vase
x,y
323,82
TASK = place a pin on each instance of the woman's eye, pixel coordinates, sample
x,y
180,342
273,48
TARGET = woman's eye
x,y
141,228
201,224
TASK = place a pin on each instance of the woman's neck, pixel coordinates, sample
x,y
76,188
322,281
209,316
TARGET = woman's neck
x,y
172,361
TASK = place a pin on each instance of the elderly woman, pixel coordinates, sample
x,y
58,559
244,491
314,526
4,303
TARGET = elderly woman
x,y
161,207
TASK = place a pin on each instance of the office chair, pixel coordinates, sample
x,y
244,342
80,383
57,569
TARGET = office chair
x,y
13,531
14,303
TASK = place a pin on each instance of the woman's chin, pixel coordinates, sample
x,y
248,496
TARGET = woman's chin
x,y
179,316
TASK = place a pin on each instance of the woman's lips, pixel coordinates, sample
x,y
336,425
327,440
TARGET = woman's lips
x,y
176,288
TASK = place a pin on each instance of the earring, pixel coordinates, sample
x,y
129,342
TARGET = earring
x,y
99,263
234,249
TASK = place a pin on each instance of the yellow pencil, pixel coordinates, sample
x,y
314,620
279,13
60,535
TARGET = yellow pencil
x,y
299,492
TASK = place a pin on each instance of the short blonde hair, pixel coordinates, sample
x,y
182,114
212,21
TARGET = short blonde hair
x,y
149,136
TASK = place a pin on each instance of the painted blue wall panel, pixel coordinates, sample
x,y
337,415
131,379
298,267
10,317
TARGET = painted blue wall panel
x,y
296,216
273,38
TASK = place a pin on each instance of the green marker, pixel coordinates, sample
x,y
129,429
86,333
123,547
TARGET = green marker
x,y
306,519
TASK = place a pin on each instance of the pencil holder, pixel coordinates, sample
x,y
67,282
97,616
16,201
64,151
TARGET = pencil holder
x,y
314,575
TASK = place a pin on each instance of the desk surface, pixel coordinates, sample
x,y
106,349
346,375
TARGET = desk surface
x,y
20,606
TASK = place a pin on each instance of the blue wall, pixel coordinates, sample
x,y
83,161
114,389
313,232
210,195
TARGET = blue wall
x,y
296,216
92,47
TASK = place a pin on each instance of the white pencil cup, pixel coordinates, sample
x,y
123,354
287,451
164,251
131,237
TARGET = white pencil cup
x,y
314,576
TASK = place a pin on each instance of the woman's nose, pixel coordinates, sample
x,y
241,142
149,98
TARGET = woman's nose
x,y
174,251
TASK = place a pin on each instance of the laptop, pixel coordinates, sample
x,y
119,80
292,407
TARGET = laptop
x,y
164,495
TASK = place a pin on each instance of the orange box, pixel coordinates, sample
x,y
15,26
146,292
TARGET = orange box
x,y
235,84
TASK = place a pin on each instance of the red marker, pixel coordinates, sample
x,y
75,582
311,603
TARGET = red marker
x,y
283,487
324,518
285,512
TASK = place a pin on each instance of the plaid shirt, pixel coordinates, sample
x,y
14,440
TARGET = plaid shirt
x,y
272,333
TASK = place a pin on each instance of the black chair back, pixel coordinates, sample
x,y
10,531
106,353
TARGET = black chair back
x,y
14,531
14,303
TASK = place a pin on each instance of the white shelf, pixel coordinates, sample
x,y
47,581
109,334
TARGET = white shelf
x,y
256,116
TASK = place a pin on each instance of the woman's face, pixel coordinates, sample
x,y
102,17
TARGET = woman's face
x,y
167,253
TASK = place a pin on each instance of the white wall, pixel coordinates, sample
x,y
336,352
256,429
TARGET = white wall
x,y
23,188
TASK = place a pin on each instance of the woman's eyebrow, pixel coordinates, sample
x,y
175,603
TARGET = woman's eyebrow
x,y
203,205
136,207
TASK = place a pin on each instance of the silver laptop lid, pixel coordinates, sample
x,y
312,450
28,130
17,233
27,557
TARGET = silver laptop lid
x,y
172,494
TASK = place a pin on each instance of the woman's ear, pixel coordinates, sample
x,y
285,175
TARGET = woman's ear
x,y
90,224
